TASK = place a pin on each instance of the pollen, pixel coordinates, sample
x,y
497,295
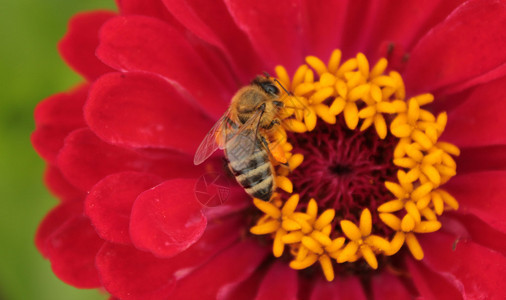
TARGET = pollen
x,y
313,231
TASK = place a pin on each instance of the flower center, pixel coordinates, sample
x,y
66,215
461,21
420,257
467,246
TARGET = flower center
x,y
365,166
344,169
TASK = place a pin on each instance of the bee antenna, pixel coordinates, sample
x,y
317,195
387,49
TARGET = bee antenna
x,y
276,80
289,93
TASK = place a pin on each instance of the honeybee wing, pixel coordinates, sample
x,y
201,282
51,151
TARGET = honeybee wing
x,y
214,139
242,143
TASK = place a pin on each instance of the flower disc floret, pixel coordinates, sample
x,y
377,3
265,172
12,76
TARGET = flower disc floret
x,y
318,95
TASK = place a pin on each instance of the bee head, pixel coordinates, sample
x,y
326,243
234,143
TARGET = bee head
x,y
267,85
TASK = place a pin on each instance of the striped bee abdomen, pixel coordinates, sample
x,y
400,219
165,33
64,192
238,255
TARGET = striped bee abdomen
x,y
254,173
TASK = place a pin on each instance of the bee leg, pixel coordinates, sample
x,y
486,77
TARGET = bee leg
x,y
266,146
271,124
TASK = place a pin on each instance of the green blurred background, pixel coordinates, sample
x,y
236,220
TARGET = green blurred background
x,y
30,70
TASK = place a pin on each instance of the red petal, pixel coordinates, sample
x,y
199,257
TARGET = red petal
x,y
142,110
386,286
137,43
357,21
247,289
323,28
431,285
233,200
212,23
72,250
167,219
219,235
473,160
110,201
273,28
464,46
470,226
280,282
55,118
52,222
79,44
479,120
119,266
416,18
481,194
85,159
60,187
151,8
218,277
341,288
128,273
476,271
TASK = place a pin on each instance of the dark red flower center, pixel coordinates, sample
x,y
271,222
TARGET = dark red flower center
x,y
344,169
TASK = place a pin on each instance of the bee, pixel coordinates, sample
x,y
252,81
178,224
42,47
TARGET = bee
x,y
244,133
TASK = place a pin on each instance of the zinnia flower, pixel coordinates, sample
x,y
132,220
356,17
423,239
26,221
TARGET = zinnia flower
x,y
369,204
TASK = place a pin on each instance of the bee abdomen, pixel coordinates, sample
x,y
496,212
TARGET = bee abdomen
x,y
255,175
262,190
241,166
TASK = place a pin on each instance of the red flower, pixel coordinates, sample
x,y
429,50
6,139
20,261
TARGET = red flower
x,y
120,147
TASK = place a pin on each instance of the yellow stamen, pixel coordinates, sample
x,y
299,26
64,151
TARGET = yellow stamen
x,y
427,226
265,228
396,243
321,238
413,211
342,89
319,92
421,191
347,66
365,222
282,76
294,125
351,230
312,245
267,208
310,119
414,246
391,206
335,245
278,245
316,64
337,106
312,209
369,256
323,111
335,59
448,199
351,115
349,250
295,160
378,242
327,269
302,253
290,205
408,223
290,225
428,214
363,64
379,68
306,262
324,219
292,237
391,221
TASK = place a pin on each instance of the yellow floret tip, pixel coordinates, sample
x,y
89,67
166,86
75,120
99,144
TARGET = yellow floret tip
x,y
366,97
